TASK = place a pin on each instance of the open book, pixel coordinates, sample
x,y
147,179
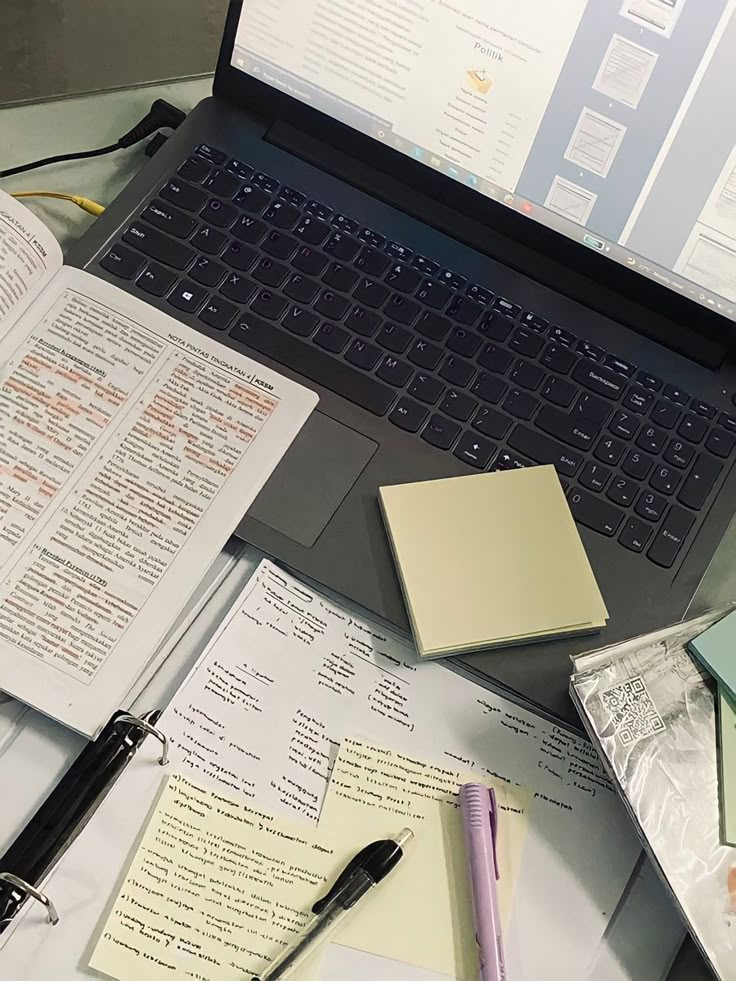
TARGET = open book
x,y
130,448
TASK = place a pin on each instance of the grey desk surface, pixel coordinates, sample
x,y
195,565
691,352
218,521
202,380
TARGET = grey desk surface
x,y
37,130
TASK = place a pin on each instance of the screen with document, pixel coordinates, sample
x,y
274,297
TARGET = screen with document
x,y
611,121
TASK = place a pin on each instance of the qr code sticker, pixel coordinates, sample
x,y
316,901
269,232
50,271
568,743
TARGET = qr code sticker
x,y
633,713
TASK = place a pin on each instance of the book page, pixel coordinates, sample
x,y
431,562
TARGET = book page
x,y
30,256
131,446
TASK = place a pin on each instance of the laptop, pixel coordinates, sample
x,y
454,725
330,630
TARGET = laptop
x,y
489,235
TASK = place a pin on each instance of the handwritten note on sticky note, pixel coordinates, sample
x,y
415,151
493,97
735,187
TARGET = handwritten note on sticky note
x,y
424,914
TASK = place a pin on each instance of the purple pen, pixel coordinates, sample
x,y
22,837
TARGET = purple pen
x,y
480,817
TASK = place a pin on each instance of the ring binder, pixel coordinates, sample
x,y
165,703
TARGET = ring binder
x,y
26,887
146,726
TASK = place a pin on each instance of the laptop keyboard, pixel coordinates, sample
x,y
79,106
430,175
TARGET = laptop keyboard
x,y
470,373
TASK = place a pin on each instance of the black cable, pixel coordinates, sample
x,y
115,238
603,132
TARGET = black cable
x,y
162,115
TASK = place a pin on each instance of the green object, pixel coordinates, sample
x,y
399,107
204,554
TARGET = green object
x,y
727,766
715,648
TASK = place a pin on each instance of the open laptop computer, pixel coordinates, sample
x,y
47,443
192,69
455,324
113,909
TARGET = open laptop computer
x,y
488,235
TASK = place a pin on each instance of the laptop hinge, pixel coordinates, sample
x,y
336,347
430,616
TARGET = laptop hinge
x,y
503,249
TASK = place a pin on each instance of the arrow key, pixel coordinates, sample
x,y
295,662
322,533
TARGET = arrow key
x,y
474,450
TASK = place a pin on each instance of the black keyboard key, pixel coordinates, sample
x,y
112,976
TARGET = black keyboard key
x,y
491,423
622,491
635,535
452,279
609,450
425,355
374,239
458,405
426,388
279,245
700,481
269,272
474,450
624,424
488,388
506,307
594,476
301,288
363,322
211,153
510,461
156,280
665,479
692,427
676,394
372,262
456,371
638,400
727,421
559,392
299,321
649,381
520,404
620,366
494,327
433,294
703,409
526,342
219,214
480,294
401,309
572,430
671,536
537,323
433,326
440,432
558,359
527,375
565,338
252,200
207,271
398,252
332,338
396,339
209,240
310,362
679,454
312,230
544,450
156,245
600,380
240,169
650,506
248,229
592,408
122,262
332,305
370,293
720,442
309,261
589,350
344,224
291,196
187,296
265,182
194,169
363,355
222,183
280,214
395,372
637,465
427,267
403,278
408,415
183,195
594,512
341,246
665,414
463,342
218,313
651,439
318,210
268,304
463,310
238,288
495,358
238,255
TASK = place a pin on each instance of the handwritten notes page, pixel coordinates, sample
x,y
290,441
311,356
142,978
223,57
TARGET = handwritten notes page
x,y
30,256
290,674
430,899
130,447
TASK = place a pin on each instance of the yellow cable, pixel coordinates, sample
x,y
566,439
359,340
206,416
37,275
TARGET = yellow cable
x,y
91,207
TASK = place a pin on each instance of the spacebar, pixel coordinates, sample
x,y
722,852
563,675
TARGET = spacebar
x,y
308,361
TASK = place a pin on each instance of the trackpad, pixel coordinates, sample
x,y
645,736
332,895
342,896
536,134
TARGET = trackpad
x,y
313,479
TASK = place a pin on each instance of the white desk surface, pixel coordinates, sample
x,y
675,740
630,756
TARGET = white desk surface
x,y
42,753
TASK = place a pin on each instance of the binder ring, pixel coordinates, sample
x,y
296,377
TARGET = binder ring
x,y
34,893
132,720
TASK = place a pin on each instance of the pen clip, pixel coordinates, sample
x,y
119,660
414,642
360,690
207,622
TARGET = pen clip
x,y
359,861
493,812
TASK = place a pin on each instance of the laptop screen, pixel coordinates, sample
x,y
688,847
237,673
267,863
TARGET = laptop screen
x,y
611,121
